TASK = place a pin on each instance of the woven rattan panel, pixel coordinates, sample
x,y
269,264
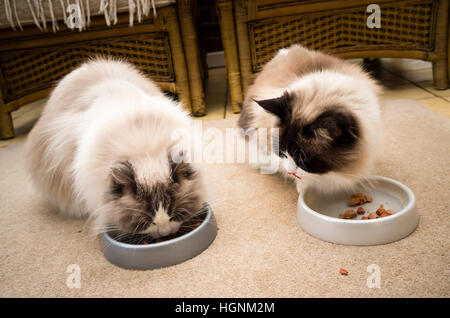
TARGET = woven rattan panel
x,y
404,26
31,70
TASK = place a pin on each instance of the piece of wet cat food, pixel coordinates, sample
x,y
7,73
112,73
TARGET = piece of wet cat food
x,y
380,210
196,224
349,214
387,213
359,199
166,238
343,271
373,215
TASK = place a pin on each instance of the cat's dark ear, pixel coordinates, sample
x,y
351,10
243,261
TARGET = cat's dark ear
x,y
280,106
122,178
182,171
339,127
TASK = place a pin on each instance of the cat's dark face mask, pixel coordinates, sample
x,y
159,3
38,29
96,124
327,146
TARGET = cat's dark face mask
x,y
326,143
158,209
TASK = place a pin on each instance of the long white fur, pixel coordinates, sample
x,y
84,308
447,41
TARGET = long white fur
x,y
349,86
101,113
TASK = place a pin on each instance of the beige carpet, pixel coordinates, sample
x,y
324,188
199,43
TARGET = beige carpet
x,y
260,250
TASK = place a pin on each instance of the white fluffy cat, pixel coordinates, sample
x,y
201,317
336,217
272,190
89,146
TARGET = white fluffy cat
x,y
101,149
328,114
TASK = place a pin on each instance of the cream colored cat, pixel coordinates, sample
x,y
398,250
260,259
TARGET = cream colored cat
x,y
327,111
101,149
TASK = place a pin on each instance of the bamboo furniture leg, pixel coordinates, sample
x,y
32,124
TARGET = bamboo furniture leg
x,y
6,122
243,44
179,62
225,13
191,51
440,62
6,126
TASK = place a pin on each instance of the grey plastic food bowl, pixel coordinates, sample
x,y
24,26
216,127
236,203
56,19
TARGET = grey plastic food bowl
x,y
167,253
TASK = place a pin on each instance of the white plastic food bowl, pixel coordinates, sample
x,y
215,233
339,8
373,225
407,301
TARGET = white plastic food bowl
x,y
318,214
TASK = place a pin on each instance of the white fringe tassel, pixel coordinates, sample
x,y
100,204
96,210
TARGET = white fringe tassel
x,y
81,26
9,16
41,13
55,26
109,9
88,13
63,7
140,8
16,15
34,15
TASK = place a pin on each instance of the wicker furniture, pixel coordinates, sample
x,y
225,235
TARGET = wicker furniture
x,y
254,30
32,61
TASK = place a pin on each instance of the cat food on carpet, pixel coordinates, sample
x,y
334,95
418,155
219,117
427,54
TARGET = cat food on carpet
x,y
359,199
343,271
